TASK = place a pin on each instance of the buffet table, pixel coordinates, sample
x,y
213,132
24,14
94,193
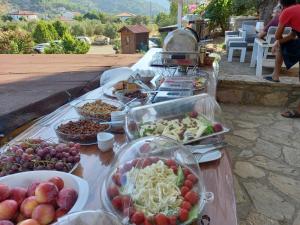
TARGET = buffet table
x,y
94,165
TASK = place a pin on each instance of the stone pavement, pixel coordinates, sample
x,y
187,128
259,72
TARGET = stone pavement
x,y
265,151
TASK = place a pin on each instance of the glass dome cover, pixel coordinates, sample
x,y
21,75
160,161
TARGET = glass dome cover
x,y
155,179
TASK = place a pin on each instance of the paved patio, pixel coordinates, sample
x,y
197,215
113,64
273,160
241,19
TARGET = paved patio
x,y
265,151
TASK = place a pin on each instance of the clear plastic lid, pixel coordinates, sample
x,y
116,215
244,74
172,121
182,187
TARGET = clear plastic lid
x,y
186,120
155,178
89,218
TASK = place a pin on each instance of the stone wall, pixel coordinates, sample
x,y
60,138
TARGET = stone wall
x,y
250,90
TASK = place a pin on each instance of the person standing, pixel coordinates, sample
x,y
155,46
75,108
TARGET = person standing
x,y
287,49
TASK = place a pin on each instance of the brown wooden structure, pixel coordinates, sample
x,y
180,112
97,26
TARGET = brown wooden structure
x,y
134,38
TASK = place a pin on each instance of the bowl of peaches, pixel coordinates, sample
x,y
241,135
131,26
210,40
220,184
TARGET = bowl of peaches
x,y
40,197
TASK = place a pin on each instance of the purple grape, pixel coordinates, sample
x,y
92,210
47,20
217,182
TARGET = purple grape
x,y
29,151
74,153
59,166
19,152
70,159
71,144
77,145
53,152
77,158
41,153
14,148
59,155
65,154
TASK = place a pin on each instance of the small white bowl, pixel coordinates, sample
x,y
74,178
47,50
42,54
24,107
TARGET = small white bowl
x,y
105,141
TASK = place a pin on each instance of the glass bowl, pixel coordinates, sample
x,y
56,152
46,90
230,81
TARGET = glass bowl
x,y
78,130
98,217
98,109
151,177
138,95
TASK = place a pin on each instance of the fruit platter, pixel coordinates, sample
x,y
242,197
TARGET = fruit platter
x,y
152,184
185,120
39,154
40,197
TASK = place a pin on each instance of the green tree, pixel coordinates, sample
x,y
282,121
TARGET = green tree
x,y
94,15
60,28
99,29
219,11
111,31
44,32
138,20
77,30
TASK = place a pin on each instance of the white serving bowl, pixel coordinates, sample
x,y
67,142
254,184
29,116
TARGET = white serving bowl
x,y
25,178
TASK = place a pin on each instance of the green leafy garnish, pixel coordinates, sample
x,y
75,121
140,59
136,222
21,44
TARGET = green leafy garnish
x,y
208,130
193,215
180,177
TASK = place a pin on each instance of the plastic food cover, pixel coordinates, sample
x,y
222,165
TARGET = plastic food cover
x,y
202,104
89,218
150,179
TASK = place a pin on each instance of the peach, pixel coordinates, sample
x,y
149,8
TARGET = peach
x,y
18,194
67,198
29,222
6,222
46,192
8,209
58,182
31,188
44,214
28,205
4,192
60,212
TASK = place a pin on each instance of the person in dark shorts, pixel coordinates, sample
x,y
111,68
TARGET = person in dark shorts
x,y
287,49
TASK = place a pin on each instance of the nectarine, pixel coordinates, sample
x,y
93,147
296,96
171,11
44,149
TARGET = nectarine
x,y
8,209
18,194
67,198
29,222
46,192
28,205
44,214
4,192
58,182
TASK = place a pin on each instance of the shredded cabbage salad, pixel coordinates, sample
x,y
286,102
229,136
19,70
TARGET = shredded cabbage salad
x,y
153,189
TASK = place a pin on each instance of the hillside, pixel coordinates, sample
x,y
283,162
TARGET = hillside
x,y
140,7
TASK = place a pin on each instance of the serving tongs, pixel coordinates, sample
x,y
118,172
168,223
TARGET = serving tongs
x,y
204,149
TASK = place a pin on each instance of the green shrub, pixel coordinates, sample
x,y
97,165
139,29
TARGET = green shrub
x,y
54,48
44,32
74,46
15,42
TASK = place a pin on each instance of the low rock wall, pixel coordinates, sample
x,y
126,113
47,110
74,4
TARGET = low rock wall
x,y
250,90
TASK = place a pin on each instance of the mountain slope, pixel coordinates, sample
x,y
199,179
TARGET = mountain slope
x,y
140,7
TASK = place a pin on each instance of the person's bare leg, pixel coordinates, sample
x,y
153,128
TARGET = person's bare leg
x,y
298,109
278,64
